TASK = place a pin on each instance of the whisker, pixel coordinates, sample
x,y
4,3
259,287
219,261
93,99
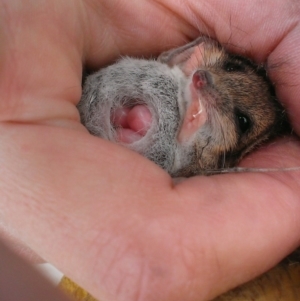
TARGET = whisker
x,y
200,109
223,138
251,169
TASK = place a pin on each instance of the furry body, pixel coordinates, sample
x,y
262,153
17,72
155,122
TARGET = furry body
x,y
208,107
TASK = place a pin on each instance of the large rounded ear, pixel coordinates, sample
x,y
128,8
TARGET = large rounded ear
x,y
192,56
183,53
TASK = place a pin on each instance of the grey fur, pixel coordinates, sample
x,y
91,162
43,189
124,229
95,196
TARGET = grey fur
x,y
128,82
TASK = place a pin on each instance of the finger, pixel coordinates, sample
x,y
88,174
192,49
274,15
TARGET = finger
x,y
185,20
239,214
132,28
284,65
238,28
41,66
122,240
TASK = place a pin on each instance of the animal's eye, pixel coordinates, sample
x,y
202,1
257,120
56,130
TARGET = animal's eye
x,y
243,122
233,67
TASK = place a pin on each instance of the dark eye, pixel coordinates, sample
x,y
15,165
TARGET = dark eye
x,y
243,122
233,67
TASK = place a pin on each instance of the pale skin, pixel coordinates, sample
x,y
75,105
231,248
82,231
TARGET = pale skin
x,y
108,218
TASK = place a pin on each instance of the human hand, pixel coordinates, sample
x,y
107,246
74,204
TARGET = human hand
x,y
108,218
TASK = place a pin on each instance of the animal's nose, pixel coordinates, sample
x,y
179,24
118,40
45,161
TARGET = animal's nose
x,y
201,78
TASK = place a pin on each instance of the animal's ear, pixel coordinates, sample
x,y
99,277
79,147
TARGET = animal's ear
x,y
191,56
179,55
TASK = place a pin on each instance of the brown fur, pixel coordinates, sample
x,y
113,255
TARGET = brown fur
x,y
247,89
